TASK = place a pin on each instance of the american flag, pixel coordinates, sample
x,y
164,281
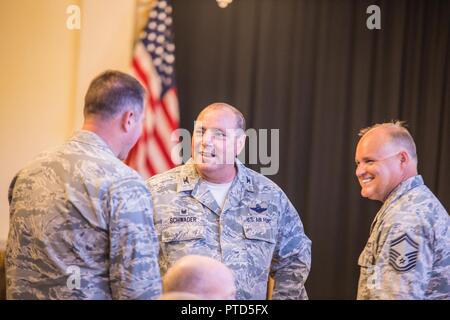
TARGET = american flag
x,y
154,66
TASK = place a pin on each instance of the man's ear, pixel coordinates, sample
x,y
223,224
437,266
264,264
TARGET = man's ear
x,y
404,158
127,120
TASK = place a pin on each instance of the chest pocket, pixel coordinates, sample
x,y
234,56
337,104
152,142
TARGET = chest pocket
x,y
367,257
259,231
183,233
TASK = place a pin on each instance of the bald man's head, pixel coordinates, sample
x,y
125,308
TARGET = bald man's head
x,y
217,140
174,295
396,134
385,157
239,117
200,275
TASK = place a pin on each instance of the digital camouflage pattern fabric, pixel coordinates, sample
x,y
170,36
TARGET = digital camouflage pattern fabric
x,y
258,231
408,253
81,227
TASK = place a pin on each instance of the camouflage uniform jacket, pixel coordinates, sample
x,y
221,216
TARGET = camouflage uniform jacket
x,y
81,227
258,231
408,253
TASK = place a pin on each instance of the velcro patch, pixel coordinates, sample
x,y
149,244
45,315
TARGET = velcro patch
x,y
403,253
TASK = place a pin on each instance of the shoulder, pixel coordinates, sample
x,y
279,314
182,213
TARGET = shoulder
x,y
419,206
42,162
418,214
263,188
70,163
166,179
262,184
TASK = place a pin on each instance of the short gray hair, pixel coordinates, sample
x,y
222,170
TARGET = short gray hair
x,y
398,133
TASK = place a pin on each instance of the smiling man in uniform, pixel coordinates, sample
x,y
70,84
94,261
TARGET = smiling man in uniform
x,y
215,206
407,255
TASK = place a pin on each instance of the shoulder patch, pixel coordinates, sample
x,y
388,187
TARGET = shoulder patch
x,y
403,253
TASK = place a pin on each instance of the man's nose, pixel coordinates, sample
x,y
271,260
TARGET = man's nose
x,y
359,171
207,137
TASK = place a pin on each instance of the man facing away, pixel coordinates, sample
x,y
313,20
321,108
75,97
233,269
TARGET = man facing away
x,y
81,224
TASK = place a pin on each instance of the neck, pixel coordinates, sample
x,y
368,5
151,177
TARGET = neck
x,y
411,172
221,176
105,132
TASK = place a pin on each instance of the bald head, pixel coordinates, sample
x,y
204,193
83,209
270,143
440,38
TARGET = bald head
x,y
385,157
393,133
179,296
202,276
220,106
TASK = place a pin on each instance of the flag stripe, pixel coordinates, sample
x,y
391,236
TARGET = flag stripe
x,y
153,64
140,73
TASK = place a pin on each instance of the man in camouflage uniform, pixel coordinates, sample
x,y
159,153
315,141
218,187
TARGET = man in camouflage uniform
x,y
407,255
215,206
81,224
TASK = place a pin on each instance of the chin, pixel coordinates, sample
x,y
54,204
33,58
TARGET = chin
x,y
371,196
206,167
366,194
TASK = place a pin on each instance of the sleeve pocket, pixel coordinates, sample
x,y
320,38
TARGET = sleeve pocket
x,y
366,258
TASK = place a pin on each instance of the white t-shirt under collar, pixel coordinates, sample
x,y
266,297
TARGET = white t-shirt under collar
x,y
219,191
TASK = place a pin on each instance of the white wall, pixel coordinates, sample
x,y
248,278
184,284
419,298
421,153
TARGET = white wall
x,y
45,70
106,42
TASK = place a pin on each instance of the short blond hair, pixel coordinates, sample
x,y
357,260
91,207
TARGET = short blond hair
x,y
398,133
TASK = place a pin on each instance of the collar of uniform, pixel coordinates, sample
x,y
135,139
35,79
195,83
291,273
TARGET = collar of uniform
x,y
90,138
244,176
400,190
189,180
189,177
403,188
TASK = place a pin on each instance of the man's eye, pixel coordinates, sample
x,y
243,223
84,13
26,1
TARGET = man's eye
x,y
219,134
